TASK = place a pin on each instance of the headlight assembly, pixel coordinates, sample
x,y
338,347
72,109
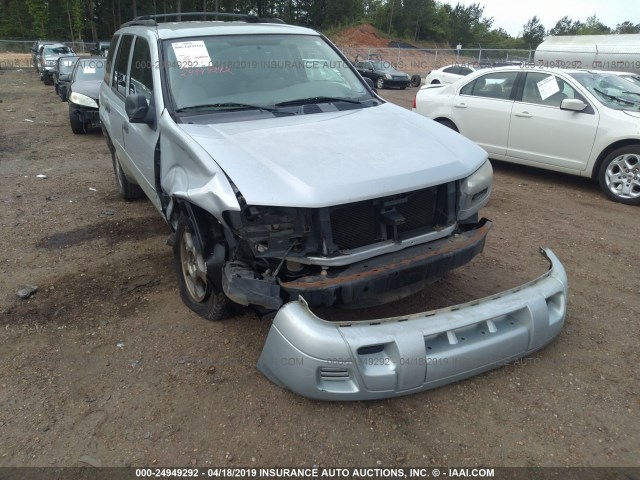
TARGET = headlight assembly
x,y
475,191
80,99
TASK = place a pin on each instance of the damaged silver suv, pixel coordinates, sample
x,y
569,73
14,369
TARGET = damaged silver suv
x,y
289,184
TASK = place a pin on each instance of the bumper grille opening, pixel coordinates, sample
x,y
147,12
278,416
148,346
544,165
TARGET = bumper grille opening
x,y
360,224
334,374
419,211
354,225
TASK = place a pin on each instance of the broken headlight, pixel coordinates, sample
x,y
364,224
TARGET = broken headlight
x,y
475,191
271,231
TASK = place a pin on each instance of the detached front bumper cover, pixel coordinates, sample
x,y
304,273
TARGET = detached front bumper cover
x,y
375,359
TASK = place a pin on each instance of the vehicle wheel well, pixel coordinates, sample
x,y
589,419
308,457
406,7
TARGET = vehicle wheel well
x,y
607,151
208,227
447,123
209,232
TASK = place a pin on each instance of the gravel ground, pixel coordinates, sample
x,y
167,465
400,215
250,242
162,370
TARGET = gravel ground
x,y
104,365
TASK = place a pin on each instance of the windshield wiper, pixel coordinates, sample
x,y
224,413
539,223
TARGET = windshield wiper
x,y
305,101
613,97
632,93
230,106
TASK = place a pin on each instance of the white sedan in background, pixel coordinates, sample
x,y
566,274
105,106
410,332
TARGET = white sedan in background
x,y
448,74
580,122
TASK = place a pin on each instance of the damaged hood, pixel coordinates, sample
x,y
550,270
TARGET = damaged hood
x,y
332,158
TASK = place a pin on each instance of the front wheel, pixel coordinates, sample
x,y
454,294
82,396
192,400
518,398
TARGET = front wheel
x,y
380,83
77,125
619,175
196,289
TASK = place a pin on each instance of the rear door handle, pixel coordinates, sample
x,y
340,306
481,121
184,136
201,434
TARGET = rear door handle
x,y
523,115
460,105
107,106
125,127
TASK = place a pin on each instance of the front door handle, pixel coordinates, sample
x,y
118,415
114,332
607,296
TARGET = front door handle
x,y
460,105
125,127
524,115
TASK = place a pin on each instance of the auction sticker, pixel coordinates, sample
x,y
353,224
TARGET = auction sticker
x,y
548,87
191,54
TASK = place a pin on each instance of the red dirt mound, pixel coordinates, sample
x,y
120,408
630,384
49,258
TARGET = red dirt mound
x,y
365,34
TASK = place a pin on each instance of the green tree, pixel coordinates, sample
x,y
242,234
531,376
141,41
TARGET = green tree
x,y
533,31
39,12
593,26
566,26
627,27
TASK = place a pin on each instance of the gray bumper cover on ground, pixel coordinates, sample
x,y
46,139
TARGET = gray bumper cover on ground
x,y
403,355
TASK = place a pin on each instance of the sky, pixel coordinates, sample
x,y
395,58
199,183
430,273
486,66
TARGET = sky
x,y
513,14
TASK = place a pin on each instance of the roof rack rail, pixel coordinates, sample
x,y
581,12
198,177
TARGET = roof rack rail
x,y
153,20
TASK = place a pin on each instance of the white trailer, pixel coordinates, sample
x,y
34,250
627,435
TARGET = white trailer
x,y
595,52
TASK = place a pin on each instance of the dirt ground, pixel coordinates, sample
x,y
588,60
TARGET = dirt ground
x,y
105,366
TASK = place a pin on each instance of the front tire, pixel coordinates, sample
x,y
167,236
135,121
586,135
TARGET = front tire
x,y
77,125
126,189
380,83
619,175
197,290
416,81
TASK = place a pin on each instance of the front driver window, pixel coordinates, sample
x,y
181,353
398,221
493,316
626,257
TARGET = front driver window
x,y
546,89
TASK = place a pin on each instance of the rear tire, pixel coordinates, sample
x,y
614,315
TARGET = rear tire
x,y
416,81
380,83
435,82
48,80
77,126
197,290
126,189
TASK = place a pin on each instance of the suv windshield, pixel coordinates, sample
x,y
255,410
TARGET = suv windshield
x,y
67,64
222,73
612,91
57,50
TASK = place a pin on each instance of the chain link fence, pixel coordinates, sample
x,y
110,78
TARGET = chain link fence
x,y
422,61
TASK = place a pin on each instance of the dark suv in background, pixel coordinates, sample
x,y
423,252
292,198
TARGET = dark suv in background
x,y
48,59
84,91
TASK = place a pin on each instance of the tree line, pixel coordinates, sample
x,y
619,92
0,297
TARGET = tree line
x,y
413,20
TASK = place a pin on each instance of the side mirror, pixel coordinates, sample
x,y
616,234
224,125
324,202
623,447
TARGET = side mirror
x,y
573,104
370,83
138,109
